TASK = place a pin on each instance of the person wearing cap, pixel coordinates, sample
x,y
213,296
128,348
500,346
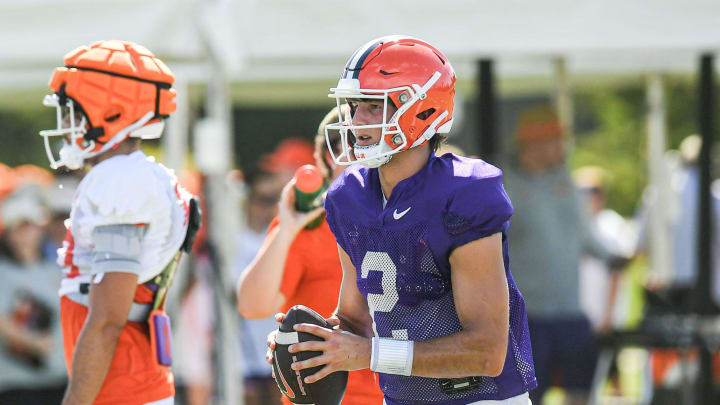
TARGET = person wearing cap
x,y
32,366
550,232
287,156
600,294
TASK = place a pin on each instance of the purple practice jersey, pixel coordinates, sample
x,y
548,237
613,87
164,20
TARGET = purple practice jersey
x,y
401,255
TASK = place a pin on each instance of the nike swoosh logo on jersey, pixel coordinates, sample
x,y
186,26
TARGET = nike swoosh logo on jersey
x,y
397,215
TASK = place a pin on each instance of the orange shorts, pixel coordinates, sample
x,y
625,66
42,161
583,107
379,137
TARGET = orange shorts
x,y
134,378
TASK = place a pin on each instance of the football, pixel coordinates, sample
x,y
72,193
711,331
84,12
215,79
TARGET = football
x,y
327,391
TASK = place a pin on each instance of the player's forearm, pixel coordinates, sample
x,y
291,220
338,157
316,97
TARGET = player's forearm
x,y
91,361
462,354
258,291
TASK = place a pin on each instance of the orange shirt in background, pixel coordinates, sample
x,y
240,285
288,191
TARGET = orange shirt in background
x,y
312,277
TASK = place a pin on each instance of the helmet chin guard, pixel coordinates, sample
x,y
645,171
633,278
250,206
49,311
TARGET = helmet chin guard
x,y
367,152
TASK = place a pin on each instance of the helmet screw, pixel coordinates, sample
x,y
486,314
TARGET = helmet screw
x,y
397,139
403,98
423,96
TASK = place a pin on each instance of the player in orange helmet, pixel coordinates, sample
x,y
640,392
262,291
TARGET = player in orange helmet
x,y
129,221
427,298
301,266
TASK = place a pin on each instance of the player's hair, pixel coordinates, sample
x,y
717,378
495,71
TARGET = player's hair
x,y
436,141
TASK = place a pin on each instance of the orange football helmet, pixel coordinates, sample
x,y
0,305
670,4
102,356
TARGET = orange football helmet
x,y
411,74
105,93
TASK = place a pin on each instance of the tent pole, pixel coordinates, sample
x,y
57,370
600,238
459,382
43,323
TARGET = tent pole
x,y
175,140
704,304
563,97
660,252
487,111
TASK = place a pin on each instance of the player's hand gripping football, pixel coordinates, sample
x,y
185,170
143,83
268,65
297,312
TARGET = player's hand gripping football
x,y
291,220
342,350
280,317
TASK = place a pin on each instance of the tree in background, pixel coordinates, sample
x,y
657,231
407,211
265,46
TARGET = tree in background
x,y
19,139
617,138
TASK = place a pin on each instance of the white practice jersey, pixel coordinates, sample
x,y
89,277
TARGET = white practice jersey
x,y
125,189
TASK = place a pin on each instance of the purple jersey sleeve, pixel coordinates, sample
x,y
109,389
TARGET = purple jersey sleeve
x,y
478,208
331,210
330,215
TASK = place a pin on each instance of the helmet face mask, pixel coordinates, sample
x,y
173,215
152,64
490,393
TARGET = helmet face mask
x,y
370,155
72,126
423,93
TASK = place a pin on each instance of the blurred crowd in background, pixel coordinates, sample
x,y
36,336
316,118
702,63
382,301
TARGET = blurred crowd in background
x,y
581,266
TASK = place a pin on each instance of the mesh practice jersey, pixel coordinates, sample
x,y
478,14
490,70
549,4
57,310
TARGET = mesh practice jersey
x,y
125,189
401,253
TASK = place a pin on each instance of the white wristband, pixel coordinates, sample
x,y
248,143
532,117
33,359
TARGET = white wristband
x,y
391,356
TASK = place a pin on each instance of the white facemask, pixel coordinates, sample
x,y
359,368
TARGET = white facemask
x,y
380,153
71,155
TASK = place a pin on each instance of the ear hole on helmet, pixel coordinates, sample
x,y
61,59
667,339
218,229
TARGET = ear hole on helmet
x,y
425,114
112,114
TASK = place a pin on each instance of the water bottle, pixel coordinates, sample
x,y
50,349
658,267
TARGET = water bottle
x,y
309,189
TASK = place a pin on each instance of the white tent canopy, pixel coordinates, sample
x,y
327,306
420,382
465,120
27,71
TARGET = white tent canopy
x,y
295,39
614,35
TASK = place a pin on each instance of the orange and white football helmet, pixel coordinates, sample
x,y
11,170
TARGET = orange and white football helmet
x,y
105,93
412,74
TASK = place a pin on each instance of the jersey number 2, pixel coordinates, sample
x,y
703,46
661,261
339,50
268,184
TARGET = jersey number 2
x,y
385,302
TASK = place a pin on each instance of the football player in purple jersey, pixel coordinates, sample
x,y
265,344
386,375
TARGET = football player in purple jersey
x,y
427,299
